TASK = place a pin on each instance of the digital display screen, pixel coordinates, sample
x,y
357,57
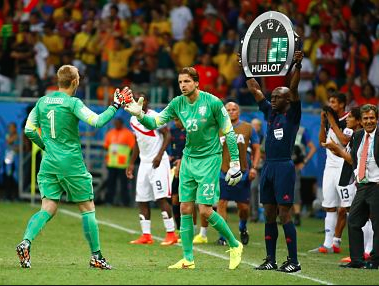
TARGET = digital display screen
x,y
268,50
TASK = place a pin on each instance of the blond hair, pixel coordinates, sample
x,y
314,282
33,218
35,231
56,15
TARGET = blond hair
x,y
66,74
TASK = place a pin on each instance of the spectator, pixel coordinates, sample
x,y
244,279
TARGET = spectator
x,y
351,86
227,62
23,53
123,10
329,55
104,92
324,84
181,20
207,72
211,29
357,59
307,73
54,44
34,87
220,88
41,55
368,95
118,61
85,46
184,52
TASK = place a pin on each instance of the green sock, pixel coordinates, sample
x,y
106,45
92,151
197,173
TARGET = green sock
x,y
186,234
222,227
91,230
36,224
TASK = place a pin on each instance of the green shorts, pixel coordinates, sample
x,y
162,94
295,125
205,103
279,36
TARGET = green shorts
x,y
78,187
199,179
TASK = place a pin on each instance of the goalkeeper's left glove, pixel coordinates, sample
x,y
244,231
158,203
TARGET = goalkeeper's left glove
x,y
135,108
234,174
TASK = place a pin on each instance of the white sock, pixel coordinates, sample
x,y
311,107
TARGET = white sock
x,y
337,241
368,235
169,224
203,231
330,226
146,226
194,228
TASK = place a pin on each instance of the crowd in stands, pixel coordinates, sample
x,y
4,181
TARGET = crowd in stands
x,y
145,43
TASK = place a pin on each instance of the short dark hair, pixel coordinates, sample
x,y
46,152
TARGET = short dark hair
x,y
192,72
356,113
341,97
368,107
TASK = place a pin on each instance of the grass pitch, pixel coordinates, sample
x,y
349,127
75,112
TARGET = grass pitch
x,y
60,254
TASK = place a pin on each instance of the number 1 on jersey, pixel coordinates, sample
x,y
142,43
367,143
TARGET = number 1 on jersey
x,y
50,115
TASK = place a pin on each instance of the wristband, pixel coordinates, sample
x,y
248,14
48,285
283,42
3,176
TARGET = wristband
x,y
116,105
298,66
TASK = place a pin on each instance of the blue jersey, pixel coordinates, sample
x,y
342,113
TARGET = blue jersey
x,y
281,130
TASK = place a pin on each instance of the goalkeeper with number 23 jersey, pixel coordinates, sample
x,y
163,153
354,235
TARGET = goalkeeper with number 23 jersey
x,y
202,115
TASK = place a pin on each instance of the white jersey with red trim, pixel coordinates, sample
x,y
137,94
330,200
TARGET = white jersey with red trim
x,y
149,141
331,159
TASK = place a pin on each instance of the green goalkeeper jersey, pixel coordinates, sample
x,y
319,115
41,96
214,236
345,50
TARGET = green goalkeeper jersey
x,y
202,120
57,115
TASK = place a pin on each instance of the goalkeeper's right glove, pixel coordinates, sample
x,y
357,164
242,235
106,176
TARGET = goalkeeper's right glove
x,y
234,174
116,99
135,108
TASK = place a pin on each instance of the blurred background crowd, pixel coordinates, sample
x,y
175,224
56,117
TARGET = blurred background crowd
x,y
144,44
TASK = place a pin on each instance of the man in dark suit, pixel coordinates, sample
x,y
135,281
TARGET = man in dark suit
x,y
364,157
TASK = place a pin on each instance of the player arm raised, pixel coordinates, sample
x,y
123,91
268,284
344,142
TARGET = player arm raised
x,y
254,87
97,120
150,122
294,94
344,139
31,129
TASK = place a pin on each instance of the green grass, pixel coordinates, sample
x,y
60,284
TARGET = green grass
x,y
60,254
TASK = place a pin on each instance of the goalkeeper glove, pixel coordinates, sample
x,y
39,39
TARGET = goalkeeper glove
x,y
116,99
135,108
234,174
121,98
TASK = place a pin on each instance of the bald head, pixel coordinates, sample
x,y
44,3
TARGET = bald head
x,y
280,98
233,111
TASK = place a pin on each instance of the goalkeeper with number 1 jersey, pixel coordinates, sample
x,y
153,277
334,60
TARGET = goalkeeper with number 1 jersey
x,y
57,115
